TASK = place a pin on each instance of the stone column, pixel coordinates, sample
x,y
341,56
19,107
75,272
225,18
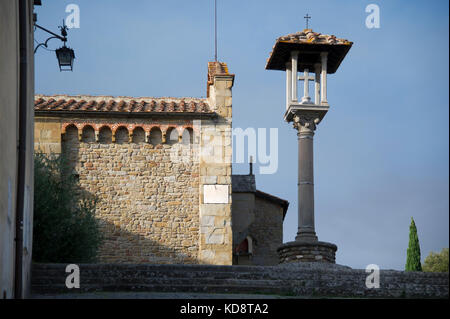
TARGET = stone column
x,y
306,125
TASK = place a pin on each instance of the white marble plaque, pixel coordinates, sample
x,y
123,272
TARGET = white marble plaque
x,y
215,194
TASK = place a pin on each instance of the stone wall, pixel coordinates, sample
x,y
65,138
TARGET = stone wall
x,y
216,239
148,207
47,135
262,221
267,232
243,215
150,177
16,143
9,95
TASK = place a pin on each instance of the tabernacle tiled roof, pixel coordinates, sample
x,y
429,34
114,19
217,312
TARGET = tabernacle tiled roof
x,y
309,36
310,42
110,104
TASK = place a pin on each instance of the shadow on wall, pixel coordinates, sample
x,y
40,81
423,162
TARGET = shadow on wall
x,y
130,239
123,246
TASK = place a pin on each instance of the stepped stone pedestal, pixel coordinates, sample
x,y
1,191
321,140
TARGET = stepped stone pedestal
x,y
307,251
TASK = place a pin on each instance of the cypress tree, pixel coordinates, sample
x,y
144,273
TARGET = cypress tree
x,y
413,252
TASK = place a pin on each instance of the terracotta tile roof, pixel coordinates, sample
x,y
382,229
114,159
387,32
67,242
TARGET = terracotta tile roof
x,y
304,41
86,104
309,36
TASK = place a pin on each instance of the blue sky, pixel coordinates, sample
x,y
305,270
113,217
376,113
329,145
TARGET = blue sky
x,y
381,153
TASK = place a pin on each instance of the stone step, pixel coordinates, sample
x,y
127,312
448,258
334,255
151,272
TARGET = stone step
x,y
191,276
212,288
299,280
189,270
130,275
43,285
216,288
103,281
153,267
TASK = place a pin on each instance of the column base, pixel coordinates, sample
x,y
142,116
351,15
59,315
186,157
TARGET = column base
x,y
307,251
306,236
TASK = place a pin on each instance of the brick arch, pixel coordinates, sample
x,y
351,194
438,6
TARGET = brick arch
x,y
86,136
186,126
119,125
138,134
67,125
187,139
155,137
119,138
149,127
135,127
170,136
84,124
114,127
102,125
70,126
131,127
102,137
190,125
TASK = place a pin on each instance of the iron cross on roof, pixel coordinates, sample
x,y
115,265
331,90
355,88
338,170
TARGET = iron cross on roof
x,y
307,17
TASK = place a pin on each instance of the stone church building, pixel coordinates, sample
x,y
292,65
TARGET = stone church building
x,y
162,170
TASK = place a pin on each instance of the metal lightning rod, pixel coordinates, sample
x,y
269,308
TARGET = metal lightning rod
x,y
215,30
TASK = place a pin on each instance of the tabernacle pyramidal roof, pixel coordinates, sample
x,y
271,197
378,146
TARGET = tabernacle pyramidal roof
x,y
309,44
309,36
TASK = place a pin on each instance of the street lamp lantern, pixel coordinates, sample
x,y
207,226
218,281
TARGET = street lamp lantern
x,y
64,54
65,58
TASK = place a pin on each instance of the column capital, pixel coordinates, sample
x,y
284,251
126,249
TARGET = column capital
x,y
306,123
